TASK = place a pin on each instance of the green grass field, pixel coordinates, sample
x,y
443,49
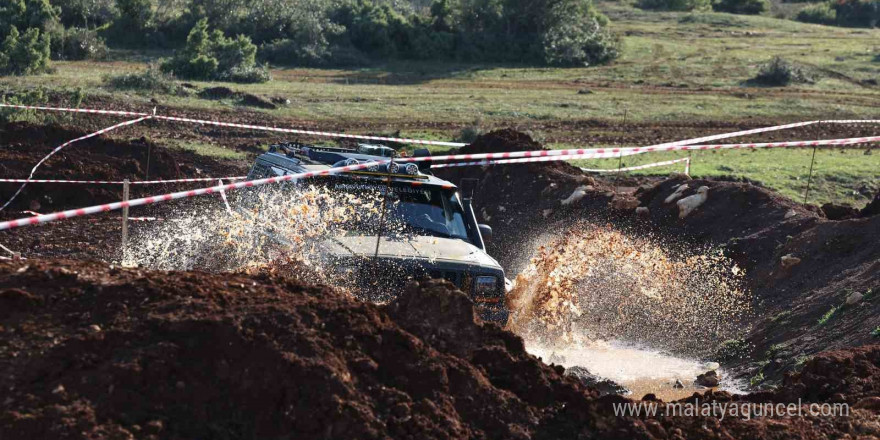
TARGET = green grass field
x,y
847,176
688,67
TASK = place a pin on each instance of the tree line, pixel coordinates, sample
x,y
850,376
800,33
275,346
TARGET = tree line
x,y
229,38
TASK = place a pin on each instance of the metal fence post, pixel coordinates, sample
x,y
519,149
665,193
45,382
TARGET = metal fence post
x,y
125,184
810,179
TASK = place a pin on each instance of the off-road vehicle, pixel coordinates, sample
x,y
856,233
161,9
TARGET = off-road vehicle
x,y
434,234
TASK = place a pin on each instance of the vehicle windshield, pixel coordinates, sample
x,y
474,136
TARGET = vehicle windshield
x,y
374,150
418,210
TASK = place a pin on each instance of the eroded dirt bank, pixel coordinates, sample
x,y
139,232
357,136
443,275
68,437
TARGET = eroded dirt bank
x,y
799,265
93,351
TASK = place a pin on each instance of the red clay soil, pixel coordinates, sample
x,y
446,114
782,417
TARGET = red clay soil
x,y
99,158
91,351
838,258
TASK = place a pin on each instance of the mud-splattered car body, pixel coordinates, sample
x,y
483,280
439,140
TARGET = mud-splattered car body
x,y
437,234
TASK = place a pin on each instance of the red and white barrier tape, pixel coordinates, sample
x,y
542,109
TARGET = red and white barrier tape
x,y
617,152
90,135
74,110
134,219
116,182
506,155
11,224
530,159
312,133
223,196
7,249
761,130
686,160
657,147
569,157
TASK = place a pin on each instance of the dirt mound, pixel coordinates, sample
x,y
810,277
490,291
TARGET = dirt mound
x,y
850,376
753,225
93,351
517,199
99,158
500,141
872,208
114,352
247,99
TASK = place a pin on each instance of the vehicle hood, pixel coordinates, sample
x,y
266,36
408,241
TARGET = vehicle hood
x,y
420,247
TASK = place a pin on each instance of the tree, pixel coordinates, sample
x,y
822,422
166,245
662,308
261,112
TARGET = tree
x,y
213,56
24,54
134,15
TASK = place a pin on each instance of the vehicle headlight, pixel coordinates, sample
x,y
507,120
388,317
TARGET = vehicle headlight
x,y
486,286
411,169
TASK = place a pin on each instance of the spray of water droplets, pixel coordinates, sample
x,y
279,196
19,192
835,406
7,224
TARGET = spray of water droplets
x,y
268,230
597,283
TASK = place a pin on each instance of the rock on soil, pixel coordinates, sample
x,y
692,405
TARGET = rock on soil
x,y
194,355
604,386
708,379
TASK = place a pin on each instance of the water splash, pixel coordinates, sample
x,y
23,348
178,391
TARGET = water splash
x,y
598,283
270,229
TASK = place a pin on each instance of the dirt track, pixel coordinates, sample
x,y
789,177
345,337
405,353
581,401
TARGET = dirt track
x,y
194,355
92,351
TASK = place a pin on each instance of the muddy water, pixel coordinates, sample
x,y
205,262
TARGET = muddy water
x,y
641,370
587,291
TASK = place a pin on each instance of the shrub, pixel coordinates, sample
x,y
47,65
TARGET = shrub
x,y
821,13
24,54
827,316
732,349
577,38
779,72
860,13
150,80
750,7
252,74
675,5
213,56
79,44
471,132
41,96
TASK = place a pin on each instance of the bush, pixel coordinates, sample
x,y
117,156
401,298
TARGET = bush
x,y
858,13
471,132
79,44
749,7
675,5
151,80
779,72
24,54
213,56
577,41
252,74
820,13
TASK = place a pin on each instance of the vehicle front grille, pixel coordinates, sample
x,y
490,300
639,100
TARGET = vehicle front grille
x,y
451,276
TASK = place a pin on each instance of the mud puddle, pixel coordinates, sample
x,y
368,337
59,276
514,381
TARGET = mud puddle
x,y
642,312
640,369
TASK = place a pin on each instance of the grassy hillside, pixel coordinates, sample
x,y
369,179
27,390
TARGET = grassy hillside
x,y
674,67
